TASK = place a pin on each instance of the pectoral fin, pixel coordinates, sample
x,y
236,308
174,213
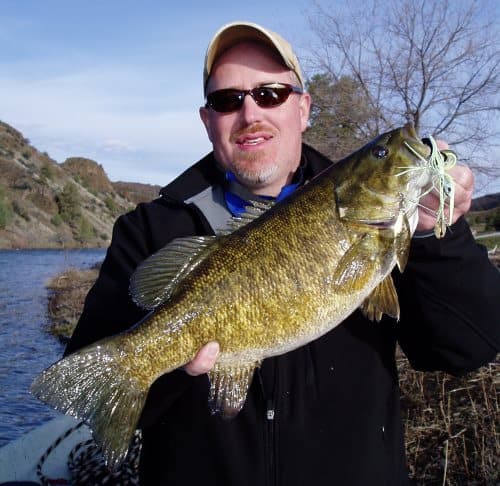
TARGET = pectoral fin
x,y
156,278
229,386
383,300
356,267
402,242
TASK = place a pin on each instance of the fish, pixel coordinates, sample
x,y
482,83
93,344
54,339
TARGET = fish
x,y
282,276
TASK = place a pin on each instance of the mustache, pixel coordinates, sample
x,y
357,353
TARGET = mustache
x,y
254,128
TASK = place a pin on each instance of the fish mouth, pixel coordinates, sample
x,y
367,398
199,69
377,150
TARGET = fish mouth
x,y
413,140
381,223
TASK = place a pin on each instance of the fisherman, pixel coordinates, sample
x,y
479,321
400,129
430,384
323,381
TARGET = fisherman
x,y
328,412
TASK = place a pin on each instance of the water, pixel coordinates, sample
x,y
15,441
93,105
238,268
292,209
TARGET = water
x,y
25,347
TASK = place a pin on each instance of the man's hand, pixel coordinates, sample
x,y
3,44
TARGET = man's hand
x,y
204,360
464,185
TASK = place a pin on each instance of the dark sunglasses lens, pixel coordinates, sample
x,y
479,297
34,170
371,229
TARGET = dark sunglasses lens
x,y
225,100
228,100
267,97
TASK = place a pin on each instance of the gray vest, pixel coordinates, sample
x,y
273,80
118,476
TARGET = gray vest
x,y
212,204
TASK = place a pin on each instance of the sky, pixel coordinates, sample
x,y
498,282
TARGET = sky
x,y
119,81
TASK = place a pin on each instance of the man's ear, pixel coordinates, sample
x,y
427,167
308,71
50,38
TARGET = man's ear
x,y
305,108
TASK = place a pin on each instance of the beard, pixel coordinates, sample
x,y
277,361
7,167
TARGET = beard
x,y
253,170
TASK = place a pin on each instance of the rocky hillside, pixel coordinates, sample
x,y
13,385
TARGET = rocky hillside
x,y
44,204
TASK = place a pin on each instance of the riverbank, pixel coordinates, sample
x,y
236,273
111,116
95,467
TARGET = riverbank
x,y
67,292
450,422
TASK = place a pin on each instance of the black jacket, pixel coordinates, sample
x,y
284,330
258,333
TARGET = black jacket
x,y
325,414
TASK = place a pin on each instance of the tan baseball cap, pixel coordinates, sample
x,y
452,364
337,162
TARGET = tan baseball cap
x,y
231,34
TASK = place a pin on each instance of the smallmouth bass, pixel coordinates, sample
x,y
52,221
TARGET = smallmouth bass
x,y
285,276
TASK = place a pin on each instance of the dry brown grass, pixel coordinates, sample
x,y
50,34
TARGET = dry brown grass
x,y
451,423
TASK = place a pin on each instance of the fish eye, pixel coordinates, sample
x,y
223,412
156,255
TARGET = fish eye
x,y
380,152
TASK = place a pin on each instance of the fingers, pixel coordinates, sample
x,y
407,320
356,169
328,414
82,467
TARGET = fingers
x,y
442,145
464,185
204,360
428,206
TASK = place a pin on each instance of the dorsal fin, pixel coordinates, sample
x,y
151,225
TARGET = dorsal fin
x,y
156,278
251,213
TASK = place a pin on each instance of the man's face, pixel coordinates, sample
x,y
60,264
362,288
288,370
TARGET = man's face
x,y
261,146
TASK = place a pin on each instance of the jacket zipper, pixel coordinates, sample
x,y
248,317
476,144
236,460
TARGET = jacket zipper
x,y
270,411
269,432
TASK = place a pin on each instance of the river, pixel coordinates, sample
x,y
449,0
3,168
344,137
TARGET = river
x,y
25,346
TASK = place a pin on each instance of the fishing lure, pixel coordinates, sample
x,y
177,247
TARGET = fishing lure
x,y
437,165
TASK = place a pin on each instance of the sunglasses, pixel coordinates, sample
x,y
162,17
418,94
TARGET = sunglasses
x,y
228,100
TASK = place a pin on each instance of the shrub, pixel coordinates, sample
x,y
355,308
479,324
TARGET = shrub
x,y
5,213
47,171
68,202
85,231
56,220
111,205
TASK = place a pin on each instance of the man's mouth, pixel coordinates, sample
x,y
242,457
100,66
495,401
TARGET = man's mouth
x,y
252,141
252,136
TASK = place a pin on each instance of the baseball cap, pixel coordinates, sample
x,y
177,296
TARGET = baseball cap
x,y
233,33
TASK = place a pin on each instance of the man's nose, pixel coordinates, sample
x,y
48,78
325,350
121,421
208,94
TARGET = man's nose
x,y
250,111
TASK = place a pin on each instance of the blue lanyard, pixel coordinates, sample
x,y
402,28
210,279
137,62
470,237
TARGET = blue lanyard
x,y
237,204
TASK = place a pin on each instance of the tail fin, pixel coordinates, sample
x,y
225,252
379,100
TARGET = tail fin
x,y
92,386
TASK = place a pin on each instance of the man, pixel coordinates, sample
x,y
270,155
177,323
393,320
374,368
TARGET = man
x,y
328,412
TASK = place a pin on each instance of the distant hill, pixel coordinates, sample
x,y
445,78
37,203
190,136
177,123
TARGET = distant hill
x,y
484,219
484,203
44,204
135,191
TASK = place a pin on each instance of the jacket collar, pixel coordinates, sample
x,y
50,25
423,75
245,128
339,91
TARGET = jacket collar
x,y
193,180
